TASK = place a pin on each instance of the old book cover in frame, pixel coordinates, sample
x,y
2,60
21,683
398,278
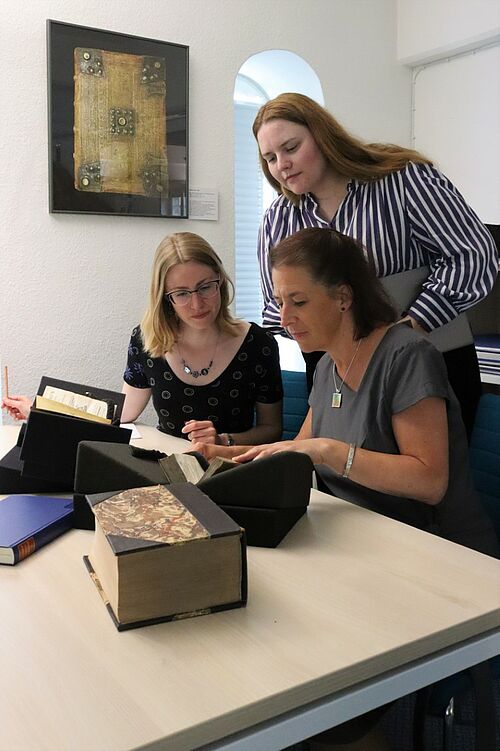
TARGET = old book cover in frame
x,y
118,123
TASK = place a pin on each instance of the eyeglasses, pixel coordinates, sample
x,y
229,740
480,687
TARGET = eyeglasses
x,y
183,296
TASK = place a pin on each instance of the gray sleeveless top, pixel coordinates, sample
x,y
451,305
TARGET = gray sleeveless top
x,y
404,369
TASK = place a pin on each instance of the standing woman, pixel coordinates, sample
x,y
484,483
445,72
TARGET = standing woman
x,y
406,213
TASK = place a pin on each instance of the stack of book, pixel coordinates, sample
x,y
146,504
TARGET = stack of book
x,y
488,355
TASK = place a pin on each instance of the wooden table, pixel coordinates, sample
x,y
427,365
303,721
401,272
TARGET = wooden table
x,y
350,611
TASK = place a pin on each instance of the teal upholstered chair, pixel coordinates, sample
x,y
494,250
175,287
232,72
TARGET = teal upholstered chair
x,y
442,699
295,404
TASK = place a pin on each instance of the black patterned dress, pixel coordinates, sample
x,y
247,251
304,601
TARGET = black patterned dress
x,y
253,376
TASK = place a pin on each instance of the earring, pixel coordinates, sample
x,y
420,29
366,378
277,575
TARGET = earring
x,y
342,308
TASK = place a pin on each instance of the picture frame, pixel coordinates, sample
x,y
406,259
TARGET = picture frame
x,y
118,123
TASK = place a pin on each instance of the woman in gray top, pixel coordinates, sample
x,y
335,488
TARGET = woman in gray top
x,y
384,427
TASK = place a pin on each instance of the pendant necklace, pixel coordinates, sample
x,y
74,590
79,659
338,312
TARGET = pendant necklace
x,y
203,371
337,394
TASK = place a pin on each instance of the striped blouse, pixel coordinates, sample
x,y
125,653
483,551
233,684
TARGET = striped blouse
x,y
413,217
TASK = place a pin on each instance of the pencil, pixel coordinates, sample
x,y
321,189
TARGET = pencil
x,y
6,380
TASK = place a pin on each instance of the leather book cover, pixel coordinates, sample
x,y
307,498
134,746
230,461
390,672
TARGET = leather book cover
x,y
175,535
158,515
120,132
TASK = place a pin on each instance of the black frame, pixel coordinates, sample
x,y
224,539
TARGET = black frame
x,y
62,38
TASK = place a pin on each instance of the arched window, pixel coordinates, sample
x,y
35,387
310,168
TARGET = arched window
x,y
262,77
249,201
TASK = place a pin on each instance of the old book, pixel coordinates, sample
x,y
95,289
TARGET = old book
x,y
217,465
181,468
51,438
164,553
82,402
120,131
187,467
27,522
62,408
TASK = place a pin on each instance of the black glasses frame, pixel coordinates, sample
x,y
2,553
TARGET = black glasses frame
x,y
190,292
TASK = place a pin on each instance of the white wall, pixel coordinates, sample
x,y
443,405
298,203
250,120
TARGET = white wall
x,y
430,28
454,48
457,122
73,286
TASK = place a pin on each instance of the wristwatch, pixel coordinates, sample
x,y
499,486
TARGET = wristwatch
x,y
226,439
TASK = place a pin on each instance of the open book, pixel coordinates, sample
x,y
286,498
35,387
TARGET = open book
x,y
188,468
66,402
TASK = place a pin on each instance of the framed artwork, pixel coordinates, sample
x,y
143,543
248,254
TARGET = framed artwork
x,y
118,123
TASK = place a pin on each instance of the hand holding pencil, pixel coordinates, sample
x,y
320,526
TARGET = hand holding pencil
x,y
18,407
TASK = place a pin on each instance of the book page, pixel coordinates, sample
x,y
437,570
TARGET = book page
x,y
181,468
218,464
77,401
49,405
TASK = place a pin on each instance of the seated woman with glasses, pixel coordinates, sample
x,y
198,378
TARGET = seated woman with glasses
x,y
213,378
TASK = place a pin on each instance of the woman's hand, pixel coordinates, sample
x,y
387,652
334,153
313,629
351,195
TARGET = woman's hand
x,y
201,431
18,407
210,450
313,447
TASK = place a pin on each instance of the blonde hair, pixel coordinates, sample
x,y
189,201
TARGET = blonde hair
x,y
347,155
159,325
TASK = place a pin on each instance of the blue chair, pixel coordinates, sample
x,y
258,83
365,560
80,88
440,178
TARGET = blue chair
x,y
442,698
295,404
485,455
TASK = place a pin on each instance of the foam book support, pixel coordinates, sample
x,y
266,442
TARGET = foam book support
x,y
266,497
165,553
27,522
13,479
50,442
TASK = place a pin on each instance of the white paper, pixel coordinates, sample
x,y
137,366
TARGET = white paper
x,y
131,426
204,204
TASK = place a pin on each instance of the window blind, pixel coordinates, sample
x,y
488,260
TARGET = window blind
x,y
248,190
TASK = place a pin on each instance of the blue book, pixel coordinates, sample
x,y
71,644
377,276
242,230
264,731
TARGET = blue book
x,y
29,521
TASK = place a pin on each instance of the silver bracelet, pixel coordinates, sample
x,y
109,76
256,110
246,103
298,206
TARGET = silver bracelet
x,y
349,460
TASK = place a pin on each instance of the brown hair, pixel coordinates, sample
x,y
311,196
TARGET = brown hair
x,y
347,155
159,324
332,259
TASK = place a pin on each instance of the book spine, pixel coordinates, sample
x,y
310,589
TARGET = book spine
x,y
38,540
